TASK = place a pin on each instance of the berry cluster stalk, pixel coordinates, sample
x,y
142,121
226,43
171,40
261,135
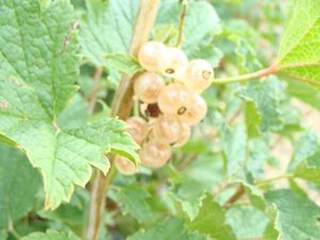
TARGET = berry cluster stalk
x,y
121,107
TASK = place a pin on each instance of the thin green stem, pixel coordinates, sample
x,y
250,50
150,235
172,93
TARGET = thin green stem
x,y
274,179
183,14
250,76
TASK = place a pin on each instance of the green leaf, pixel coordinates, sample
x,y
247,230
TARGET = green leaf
x,y
19,183
304,92
234,142
36,83
298,217
310,168
268,96
51,235
247,222
211,221
253,119
133,200
123,63
299,53
107,28
305,148
37,47
166,230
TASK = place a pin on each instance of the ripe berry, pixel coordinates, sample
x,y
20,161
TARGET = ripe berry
x,y
125,166
155,154
184,136
176,60
167,128
147,87
198,75
196,111
151,56
137,128
174,99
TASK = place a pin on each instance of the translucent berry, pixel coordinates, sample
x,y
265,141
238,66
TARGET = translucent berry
x,y
137,128
198,75
125,166
185,134
174,99
167,128
147,87
151,56
155,154
196,111
176,61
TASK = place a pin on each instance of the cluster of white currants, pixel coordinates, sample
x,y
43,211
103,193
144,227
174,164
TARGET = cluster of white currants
x,y
171,107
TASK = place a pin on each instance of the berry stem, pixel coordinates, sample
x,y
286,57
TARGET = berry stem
x,y
183,14
122,105
250,76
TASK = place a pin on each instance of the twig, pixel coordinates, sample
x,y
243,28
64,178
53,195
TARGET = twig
x,y
121,107
270,180
235,197
250,76
183,14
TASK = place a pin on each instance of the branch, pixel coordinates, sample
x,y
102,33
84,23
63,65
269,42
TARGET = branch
x,y
121,107
235,197
250,76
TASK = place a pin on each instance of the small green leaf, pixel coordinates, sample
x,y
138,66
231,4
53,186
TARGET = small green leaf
x,y
165,230
133,200
299,54
51,235
253,119
19,183
211,221
298,217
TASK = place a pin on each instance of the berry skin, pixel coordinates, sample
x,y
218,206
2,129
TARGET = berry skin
x,y
147,87
176,61
125,166
185,134
137,128
167,128
155,154
152,55
196,111
198,75
174,99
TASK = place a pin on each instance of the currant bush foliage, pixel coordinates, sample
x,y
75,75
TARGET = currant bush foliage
x,y
218,186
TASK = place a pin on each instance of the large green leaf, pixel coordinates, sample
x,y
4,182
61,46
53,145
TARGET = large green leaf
x,y
107,28
298,217
299,54
19,183
211,221
35,83
50,235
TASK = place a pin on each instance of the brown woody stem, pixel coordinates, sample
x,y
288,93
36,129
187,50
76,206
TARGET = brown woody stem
x,y
121,107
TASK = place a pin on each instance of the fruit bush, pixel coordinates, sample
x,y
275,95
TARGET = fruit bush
x,y
159,119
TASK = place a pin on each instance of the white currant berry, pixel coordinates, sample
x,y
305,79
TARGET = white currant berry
x,y
196,111
176,61
147,87
167,128
185,134
125,166
155,154
198,75
174,99
137,128
151,56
